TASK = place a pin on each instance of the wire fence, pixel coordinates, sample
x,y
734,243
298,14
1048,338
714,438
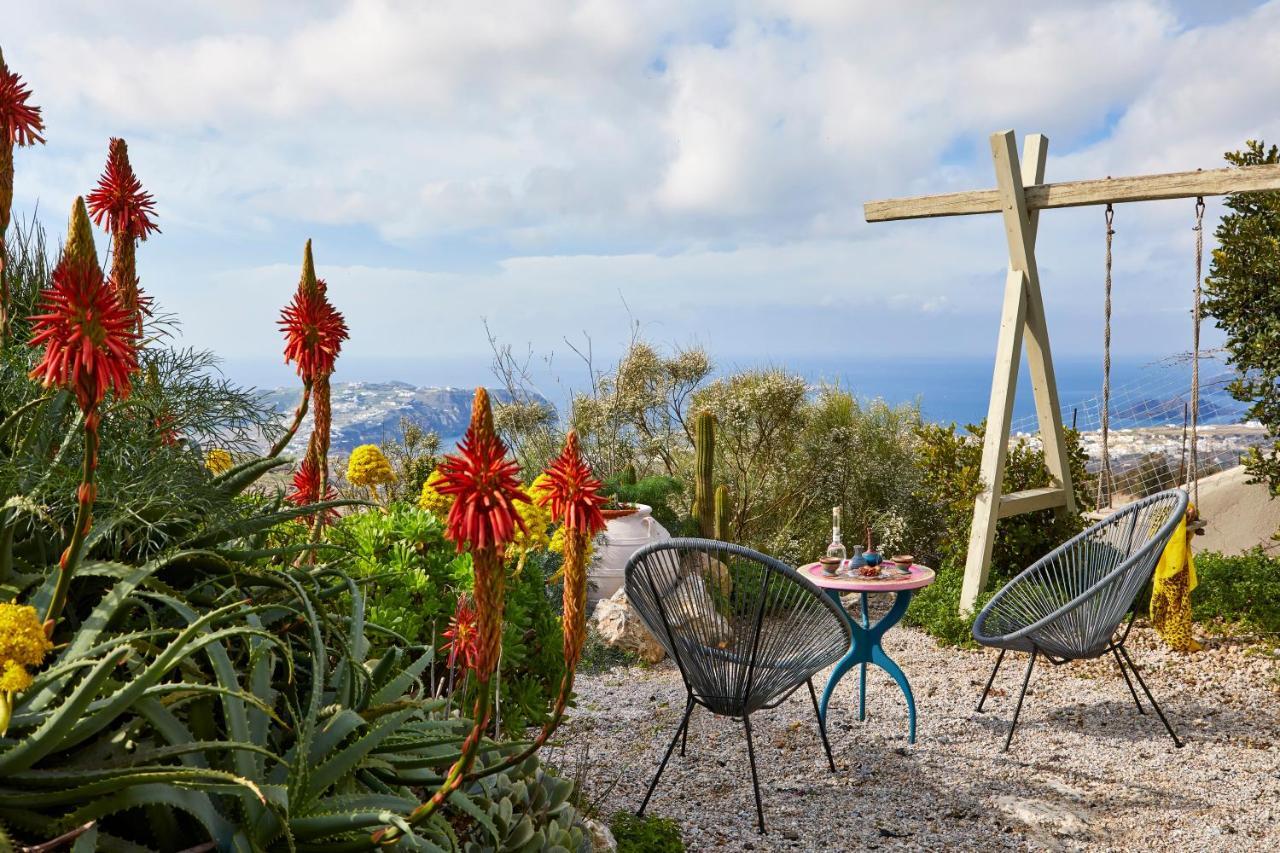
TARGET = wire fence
x,y
1149,435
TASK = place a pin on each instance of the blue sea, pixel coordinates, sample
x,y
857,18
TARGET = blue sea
x,y
1146,391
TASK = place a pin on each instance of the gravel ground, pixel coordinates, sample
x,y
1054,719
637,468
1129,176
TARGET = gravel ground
x,y
1085,771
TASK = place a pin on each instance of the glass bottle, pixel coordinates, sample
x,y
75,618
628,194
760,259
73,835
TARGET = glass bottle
x,y
835,551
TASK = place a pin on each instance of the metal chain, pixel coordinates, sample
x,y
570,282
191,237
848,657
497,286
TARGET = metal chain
x,y
1104,475
1193,470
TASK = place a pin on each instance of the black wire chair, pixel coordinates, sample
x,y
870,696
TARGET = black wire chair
x,y
745,630
1070,604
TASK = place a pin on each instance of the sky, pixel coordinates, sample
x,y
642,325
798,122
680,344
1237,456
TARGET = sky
x,y
559,170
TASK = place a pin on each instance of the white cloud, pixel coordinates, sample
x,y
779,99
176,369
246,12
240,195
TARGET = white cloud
x,y
532,161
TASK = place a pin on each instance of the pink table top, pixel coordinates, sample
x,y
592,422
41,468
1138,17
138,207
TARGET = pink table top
x,y
918,576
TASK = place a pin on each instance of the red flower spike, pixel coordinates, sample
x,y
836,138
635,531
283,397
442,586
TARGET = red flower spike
x,y
119,201
89,341
464,636
306,489
485,485
314,331
20,123
573,491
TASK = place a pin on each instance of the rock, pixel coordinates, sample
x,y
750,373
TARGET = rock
x,y
601,836
620,627
1040,815
694,611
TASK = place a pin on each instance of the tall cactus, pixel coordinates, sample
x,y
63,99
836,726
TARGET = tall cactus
x,y
704,443
722,513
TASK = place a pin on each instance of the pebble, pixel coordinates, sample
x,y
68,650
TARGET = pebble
x,y
1085,771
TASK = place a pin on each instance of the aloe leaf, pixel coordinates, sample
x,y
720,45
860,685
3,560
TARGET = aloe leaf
x,y
334,732
236,479
396,687
344,761
245,527
189,777
49,736
10,423
195,803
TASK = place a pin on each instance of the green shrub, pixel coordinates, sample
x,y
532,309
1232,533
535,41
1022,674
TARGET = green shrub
x,y
413,578
645,834
1243,590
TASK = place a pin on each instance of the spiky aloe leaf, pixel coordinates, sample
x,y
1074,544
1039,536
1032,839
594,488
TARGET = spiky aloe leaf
x,y
245,527
398,686
195,803
236,479
343,762
183,777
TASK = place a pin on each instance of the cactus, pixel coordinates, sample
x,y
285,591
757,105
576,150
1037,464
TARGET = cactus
x,y
722,513
628,477
704,442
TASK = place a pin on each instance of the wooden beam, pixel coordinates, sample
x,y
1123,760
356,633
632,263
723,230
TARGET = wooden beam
x,y
1081,193
1031,500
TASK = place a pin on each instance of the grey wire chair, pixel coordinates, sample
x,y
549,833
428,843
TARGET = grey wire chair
x,y
1070,604
745,630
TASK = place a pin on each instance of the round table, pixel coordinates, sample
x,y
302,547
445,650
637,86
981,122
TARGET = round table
x,y
864,645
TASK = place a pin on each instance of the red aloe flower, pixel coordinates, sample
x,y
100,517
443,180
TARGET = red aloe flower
x,y
464,635
89,341
306,489
573,491
314,331
485,485
20,122
119,199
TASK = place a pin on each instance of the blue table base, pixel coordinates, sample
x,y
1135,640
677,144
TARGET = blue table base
x,y
864,649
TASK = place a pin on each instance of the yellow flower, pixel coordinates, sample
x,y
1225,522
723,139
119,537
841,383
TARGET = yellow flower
x,y
537,520
218,461
557,545
15,678
368,467
22,644
22,639
432,501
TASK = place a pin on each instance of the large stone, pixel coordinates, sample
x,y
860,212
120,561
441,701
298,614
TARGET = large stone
x,y
620,627
602,840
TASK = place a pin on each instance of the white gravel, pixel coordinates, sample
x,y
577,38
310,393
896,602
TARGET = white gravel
x,y
1085,772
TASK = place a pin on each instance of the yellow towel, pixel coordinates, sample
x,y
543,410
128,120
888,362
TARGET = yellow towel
x,y
1175,577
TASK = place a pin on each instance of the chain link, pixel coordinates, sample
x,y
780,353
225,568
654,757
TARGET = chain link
x,y
1104,475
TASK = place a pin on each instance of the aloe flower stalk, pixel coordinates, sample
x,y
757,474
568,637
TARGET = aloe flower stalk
x,y
21,126
119,204
483,520
574,497
90,348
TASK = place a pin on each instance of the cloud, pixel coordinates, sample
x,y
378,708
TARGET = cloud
x,y
707,162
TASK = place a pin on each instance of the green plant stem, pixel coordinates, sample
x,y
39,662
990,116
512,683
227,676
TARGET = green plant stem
x,y
84,517
298,415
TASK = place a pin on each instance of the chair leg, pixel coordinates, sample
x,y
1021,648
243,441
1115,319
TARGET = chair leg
x,y
1150,698
822,726
1129,681
991,680
755,782
1026,679
684,723
684,736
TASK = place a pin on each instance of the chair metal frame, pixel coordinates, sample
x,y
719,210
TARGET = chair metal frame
x,y
1064,634
748,695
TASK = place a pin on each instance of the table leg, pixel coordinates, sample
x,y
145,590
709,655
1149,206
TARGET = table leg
x,y
882,660
862,667
845,663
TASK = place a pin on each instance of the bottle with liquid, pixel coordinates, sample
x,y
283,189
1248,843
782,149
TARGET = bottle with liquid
x,y
835,551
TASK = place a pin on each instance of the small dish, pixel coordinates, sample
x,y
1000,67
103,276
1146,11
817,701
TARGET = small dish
x,y
906,561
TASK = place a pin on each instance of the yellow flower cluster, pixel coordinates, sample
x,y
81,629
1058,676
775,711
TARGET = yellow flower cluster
x,y
368,467
432,501
22,644
218,461
537,521
557,545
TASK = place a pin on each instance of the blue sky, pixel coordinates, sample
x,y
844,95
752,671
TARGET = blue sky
x,y
550,166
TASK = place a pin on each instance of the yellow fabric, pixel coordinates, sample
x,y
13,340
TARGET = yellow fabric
x,y
1175,577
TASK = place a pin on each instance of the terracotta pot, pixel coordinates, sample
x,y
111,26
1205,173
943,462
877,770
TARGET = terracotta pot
x,y
610,514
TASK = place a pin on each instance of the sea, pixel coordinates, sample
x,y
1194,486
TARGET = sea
x,y
1146,391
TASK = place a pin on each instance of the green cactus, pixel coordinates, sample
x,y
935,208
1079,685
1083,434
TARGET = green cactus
x,y
704,442
628,477
722,513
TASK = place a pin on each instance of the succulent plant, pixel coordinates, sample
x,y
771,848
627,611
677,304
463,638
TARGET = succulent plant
x,y
704,443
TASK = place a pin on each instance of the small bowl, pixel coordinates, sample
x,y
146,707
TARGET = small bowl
x,y
829,565
906,561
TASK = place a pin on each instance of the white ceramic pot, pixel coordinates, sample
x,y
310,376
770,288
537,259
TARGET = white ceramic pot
x,y
622,537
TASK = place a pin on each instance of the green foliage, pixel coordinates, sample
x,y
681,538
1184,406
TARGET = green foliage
x,y
413,457
949,474
413,578
645,834
1243,590
664,494
1241,295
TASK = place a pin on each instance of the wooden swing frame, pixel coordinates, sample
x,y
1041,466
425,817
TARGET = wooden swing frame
x,y
1019,196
